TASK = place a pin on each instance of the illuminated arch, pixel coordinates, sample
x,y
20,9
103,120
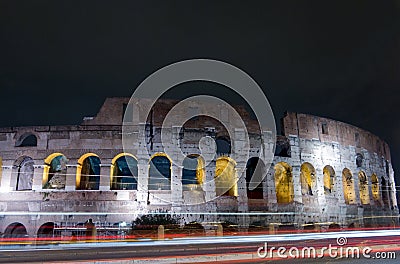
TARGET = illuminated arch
x,y
121,155
307,178
363,187
54,171
251,169
24,170
124,172
160,172
193,172
88,172
329,179
15,230
348,187
375,188
283,183
160,154
225,177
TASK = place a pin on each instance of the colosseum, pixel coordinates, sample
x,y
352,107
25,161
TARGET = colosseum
x,y
324,174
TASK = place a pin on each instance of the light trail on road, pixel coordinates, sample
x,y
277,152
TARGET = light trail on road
x,y
202,247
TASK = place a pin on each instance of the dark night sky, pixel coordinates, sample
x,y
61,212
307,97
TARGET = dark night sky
x,y
341,59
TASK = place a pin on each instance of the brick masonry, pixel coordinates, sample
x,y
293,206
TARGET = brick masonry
x,y
306,139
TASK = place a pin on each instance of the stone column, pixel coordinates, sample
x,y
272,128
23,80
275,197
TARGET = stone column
x,y
296,184
160,232
392,188
175,153
295,163
105,173
320,191
209,184
142,183
70,178
240,144
6,178
37,177
143,166
356,186
242,200
13,177
242,192
176,185
270,190
272,228
339,186
220,230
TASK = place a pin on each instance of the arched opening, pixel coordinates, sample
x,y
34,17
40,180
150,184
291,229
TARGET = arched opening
x,y
257,171
24,170
88,172
160,172
26,140
283,183
124,172
348,187
329,180
225,177
193,172
385,192
46,230
15,230
392,195
375,188
334,227
223,145
55,171
307,178
363,187
359,160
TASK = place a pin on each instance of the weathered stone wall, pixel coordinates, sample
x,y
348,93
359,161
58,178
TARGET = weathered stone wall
x,y
314,140
327,130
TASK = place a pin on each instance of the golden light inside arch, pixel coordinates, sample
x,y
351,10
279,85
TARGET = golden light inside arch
x,y
114,160
283,183
47,164
79,167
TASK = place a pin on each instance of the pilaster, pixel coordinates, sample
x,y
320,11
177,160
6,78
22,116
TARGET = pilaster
x,y
6,178
70,178
105,173
142,183
176,185
37,177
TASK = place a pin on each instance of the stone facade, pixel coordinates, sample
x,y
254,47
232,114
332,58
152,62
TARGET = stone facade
x,y
324,173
